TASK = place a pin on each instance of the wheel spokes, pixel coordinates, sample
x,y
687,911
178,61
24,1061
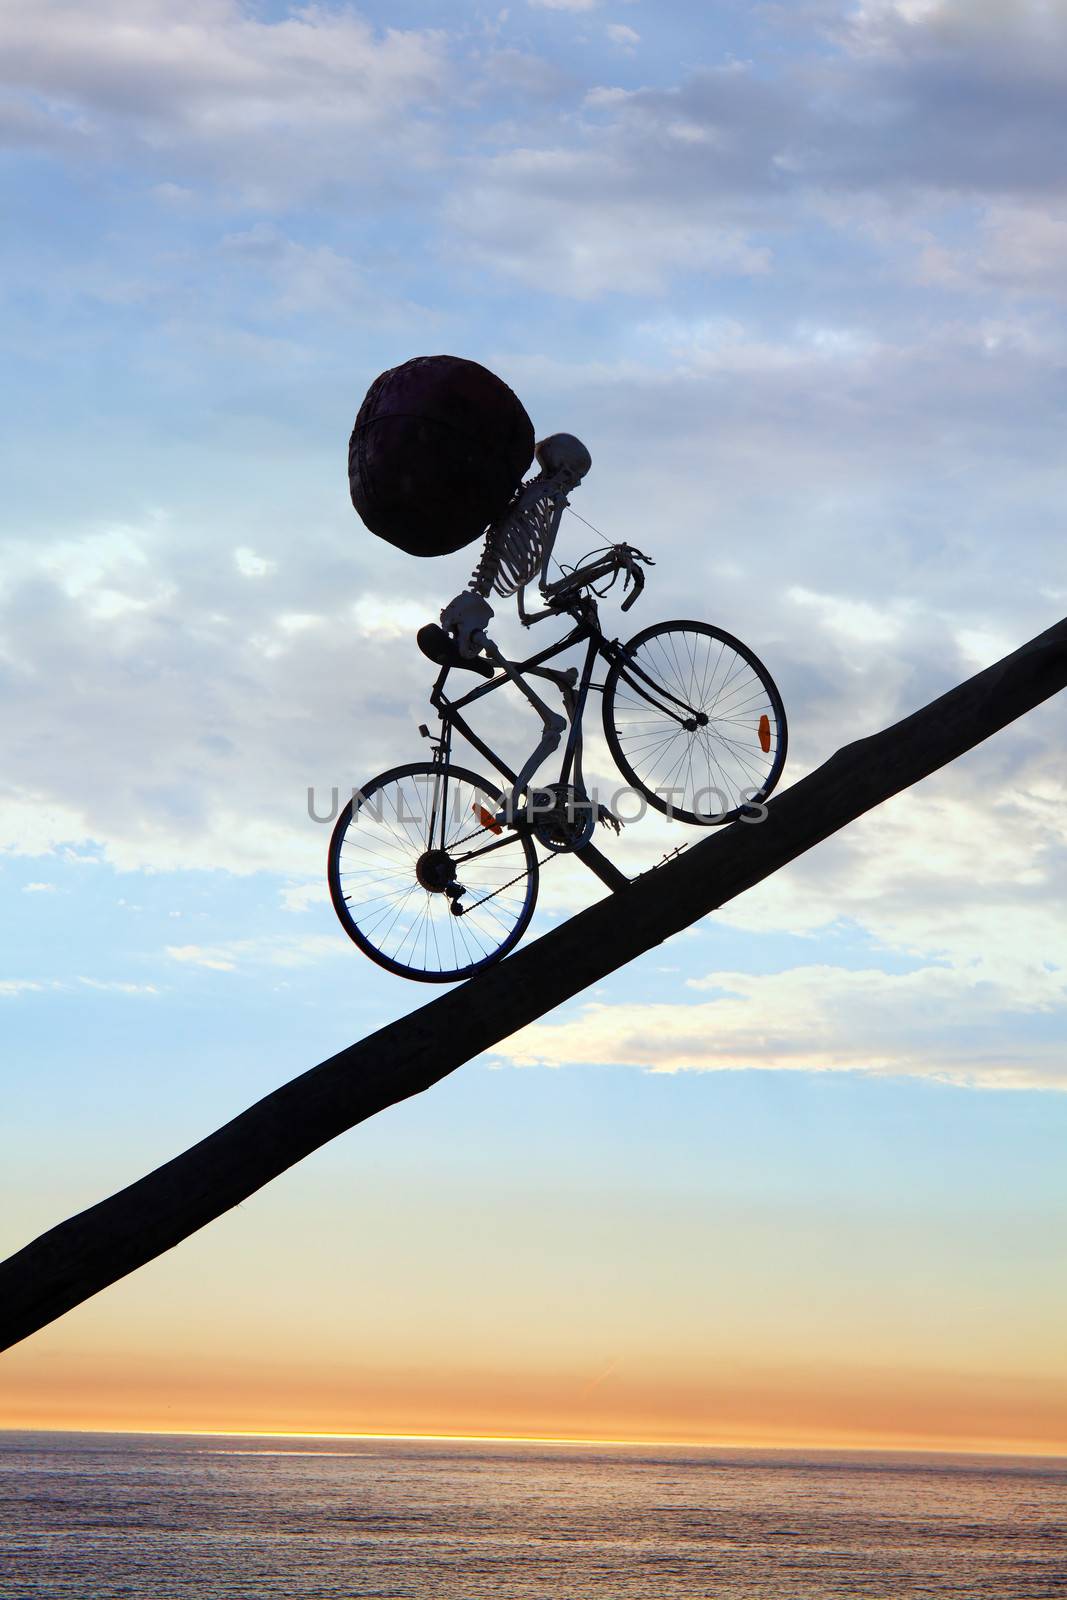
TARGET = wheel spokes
x,y
398,880
730,755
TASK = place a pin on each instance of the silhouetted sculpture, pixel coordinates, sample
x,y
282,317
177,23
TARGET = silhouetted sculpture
x,y
83,1255
692,718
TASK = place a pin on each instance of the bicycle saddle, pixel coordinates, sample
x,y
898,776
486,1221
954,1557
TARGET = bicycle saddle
x,y
436,645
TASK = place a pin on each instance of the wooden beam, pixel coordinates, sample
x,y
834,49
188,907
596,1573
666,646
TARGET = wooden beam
x,y
84,1254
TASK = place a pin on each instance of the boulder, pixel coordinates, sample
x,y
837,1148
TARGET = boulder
x,y
438,449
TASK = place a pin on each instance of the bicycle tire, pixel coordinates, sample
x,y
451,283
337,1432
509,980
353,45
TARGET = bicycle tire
x,y
739,750
401,918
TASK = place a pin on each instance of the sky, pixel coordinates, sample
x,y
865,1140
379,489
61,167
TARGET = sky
x,y
793,272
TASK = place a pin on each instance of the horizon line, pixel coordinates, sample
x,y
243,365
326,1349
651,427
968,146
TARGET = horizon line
x,y
1039,1453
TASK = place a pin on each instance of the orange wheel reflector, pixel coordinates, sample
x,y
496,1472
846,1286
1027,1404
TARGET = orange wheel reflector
x,y
765,733
487,819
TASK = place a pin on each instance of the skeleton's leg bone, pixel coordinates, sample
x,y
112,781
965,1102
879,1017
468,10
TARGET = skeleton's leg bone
x,y
554,725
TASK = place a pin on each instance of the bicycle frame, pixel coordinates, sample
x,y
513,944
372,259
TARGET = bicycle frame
x,y
575,689
450,710
669,677
575,686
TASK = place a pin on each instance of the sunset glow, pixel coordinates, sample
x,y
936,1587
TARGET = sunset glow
x,y
795,1178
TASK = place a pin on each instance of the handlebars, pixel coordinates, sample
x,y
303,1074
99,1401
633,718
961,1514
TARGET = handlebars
x,y
607,564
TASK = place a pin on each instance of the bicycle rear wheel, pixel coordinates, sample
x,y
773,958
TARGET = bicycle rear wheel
x,y
409,847
695,722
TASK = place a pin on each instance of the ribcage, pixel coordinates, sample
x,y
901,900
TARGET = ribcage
x,y
515,546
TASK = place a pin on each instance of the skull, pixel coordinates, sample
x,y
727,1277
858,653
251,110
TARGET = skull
x,y
563,453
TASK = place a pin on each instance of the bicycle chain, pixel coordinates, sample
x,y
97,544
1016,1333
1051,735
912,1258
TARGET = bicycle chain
x,y
502,886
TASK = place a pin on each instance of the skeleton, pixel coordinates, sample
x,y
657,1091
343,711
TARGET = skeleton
x,y
518,548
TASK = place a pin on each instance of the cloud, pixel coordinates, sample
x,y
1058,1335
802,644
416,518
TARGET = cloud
x,y
912,108
915,110
968,870
379,617
625,38
640,187
151,726
194,956
176,709
267,951
298,280
220,90
1016,33
301,897
935,1022
581,222
12,987
249,565
1024,247
949,94
825,393
115,986
569,5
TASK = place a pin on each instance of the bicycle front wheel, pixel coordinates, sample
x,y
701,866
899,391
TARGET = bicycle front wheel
x,y
423,880
695,722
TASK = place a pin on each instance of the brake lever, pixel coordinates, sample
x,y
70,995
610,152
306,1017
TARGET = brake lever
x,y
638,582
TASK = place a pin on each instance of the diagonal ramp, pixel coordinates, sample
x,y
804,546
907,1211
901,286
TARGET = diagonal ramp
x,y
83,1255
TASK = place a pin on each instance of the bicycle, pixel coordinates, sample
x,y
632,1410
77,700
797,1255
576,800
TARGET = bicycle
x,y
433,869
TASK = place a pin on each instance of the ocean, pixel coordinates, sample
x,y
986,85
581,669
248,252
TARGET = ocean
x,y
122,1516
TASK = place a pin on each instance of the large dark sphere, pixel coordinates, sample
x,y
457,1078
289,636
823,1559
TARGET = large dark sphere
x,y
439,447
